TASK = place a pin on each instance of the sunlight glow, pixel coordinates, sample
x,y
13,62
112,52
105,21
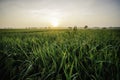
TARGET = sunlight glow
x,y
54,22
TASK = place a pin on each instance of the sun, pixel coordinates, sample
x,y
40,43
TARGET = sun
x,y
54,22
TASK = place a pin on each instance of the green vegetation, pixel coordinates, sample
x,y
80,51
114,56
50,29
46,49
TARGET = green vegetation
x,y
60,54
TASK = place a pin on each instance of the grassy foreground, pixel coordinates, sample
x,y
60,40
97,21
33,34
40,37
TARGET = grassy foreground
x,y
60,55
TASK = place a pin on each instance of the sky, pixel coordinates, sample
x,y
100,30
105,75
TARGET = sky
x,y
60,13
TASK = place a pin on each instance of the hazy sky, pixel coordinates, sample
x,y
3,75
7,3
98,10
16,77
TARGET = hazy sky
x,y
42,13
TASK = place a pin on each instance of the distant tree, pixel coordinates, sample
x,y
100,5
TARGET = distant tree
x,y
49,27
45,27
86,27
104,28
75,28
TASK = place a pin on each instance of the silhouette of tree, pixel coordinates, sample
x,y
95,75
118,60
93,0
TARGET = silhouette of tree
x,y
104,28
70,28
86,27
75,28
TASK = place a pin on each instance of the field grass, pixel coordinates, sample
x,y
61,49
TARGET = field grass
x,y
60,54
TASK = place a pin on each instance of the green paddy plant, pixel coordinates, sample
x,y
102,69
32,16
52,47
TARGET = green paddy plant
x,y
82,54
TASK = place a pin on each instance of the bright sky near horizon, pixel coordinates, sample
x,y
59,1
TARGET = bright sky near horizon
x,y
43,13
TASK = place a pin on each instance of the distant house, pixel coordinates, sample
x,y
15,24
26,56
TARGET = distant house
x,y
70,28
33,27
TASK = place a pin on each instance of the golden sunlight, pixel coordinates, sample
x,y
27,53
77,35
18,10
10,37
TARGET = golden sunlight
x,y
54,22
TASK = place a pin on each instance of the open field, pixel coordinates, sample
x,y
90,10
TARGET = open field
x,y
84,54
